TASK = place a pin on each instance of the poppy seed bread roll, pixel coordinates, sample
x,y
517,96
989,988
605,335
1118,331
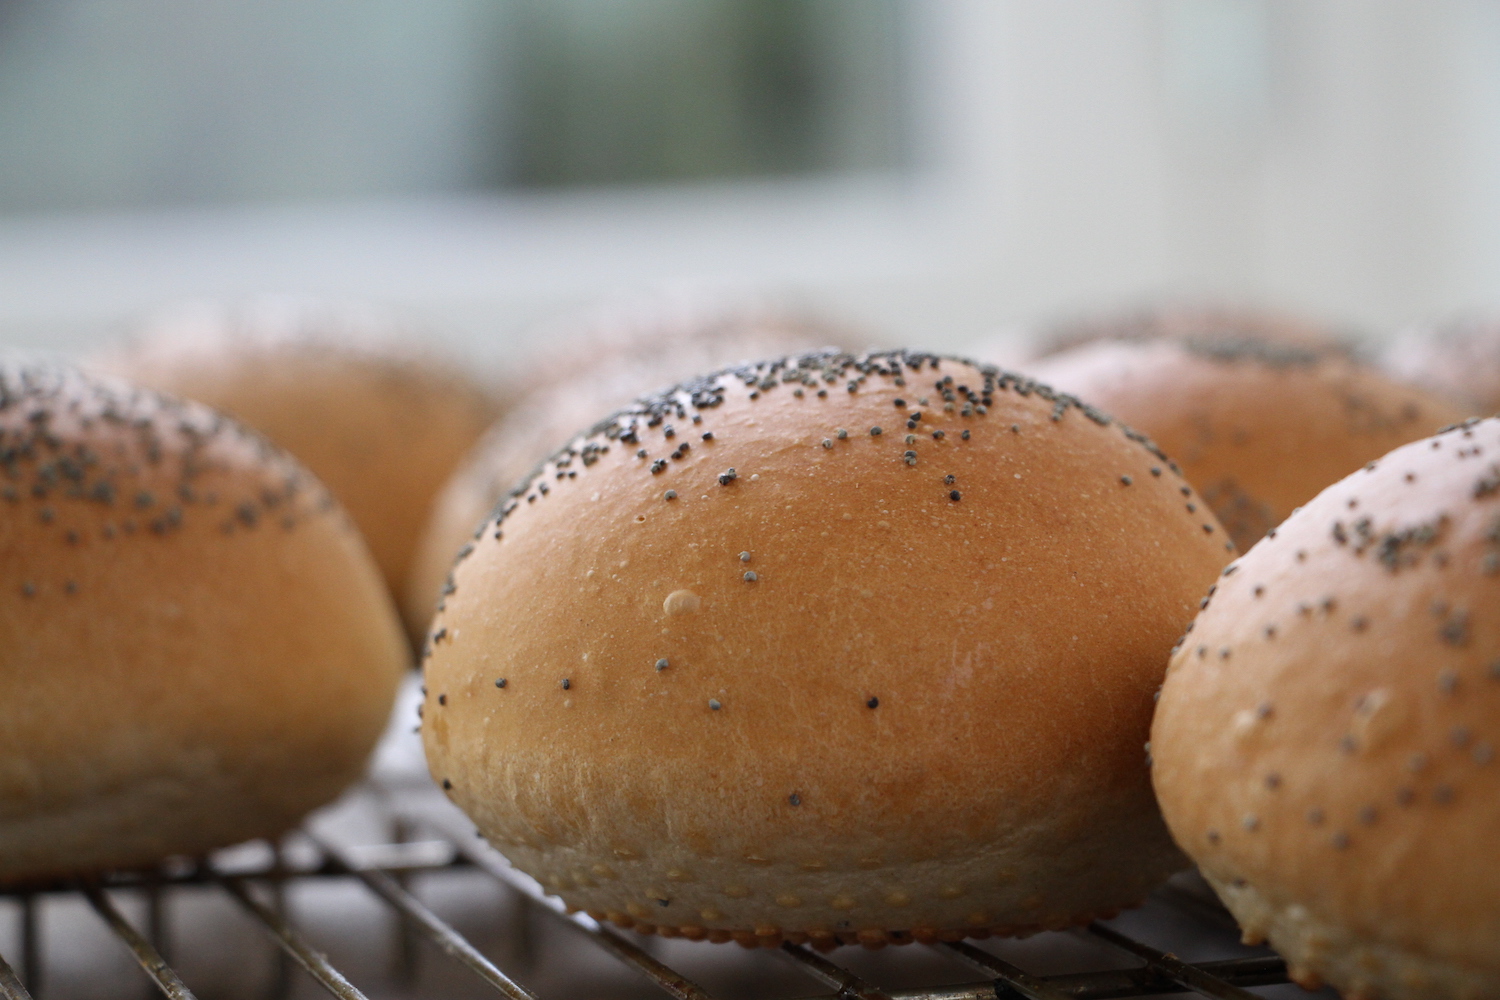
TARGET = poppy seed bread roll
x,y
1458,360
1325,742
380,420
1258,428
1203,323
828,648
195,645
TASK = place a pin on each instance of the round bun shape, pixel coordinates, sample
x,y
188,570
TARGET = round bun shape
x,y
828,649
1324,745
1205,323
381,422
195,645
1257,428
1459,360
623,357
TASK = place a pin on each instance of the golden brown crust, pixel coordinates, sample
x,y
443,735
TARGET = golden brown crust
x,y
195,646
1326,734
780,674
622,357
380,423
1257,428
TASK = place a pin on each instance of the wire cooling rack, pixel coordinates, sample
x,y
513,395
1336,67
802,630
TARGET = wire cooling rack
x,y
390,894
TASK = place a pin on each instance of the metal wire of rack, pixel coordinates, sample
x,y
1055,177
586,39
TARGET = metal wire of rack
x,y
431,841
406,834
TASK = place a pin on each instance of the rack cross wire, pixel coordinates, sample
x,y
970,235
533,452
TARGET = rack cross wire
x,y
387,868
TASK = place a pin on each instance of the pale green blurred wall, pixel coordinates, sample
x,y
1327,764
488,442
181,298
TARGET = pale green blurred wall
x,y
116,103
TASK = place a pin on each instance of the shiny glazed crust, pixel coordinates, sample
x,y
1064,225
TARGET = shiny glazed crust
x,y
381,424
195,646
1257,428
828,648
1327,732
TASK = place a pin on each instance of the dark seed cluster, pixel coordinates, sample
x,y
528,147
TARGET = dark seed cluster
x,y
101,463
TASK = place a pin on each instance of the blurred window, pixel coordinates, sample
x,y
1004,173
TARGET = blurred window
x,y
116,103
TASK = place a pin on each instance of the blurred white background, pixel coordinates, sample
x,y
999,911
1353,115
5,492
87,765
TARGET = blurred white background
x,y
935,170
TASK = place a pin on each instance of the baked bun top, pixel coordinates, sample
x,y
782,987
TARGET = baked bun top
x,y
195,645
1459,360
1257,428
1205,324
381,421
1328,728
612,357
803,626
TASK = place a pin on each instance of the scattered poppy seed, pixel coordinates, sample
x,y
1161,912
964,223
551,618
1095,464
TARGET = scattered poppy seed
x,y
708,435
794,799
501,682
955,495
713,704
1126,480
873,703
876,432
750,576
964,435
447,784
662,664
442,699
842,434
827,443
744,557
566,683
670,495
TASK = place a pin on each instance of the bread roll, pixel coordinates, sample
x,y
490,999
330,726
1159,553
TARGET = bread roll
x,y
608,359
380,421
1257,428
195,645
826,649
1207,324
1324,745
1459,360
